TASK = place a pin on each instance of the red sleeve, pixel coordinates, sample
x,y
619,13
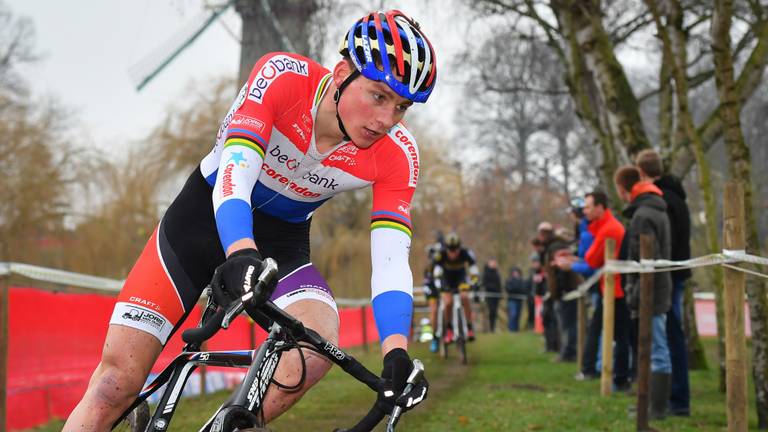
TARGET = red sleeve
x,y
272,87
397,172
595,255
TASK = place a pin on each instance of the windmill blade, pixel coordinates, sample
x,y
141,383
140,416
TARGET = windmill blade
x,y
146,69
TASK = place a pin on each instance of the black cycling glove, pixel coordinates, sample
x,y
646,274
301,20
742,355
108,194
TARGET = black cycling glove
x,y
397,367
237,276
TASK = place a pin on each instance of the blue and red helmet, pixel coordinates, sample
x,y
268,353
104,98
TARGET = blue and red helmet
x,y
405,62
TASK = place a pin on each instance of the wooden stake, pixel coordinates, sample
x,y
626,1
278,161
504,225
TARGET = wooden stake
x,y
609,304
644,337
364,327
735,340
581,332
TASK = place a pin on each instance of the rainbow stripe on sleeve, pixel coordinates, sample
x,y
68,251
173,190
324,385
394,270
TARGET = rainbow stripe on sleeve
x,y
246,138
391,220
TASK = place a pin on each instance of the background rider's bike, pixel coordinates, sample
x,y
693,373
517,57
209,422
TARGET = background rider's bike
x,y
458,325
243,410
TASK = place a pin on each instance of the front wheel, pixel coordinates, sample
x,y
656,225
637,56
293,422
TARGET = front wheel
x,y
461,340
136,421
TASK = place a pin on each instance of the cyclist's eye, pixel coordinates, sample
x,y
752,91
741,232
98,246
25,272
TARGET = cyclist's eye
x,y
378,97
403,107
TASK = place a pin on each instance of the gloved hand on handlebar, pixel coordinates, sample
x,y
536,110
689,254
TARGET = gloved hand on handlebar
x,y
237,276
397,367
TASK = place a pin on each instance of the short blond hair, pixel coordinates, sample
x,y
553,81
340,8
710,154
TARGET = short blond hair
x,y
649,162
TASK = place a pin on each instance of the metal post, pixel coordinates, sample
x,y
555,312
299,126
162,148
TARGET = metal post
x,y
364,327
582,332
644,335
735,341
609,302
3,349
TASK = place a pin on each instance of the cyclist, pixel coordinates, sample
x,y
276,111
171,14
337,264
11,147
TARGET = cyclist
x,y
430,287
455,271
296,135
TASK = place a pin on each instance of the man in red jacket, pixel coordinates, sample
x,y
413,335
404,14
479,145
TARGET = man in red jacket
x,y
603,225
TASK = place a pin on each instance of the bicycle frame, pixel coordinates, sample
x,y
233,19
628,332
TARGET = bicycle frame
x,y
261,364
457,312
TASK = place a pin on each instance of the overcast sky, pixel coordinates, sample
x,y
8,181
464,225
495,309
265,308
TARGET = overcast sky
x,y
88,46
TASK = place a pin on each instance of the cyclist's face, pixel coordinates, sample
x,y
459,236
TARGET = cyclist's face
x,y
369,109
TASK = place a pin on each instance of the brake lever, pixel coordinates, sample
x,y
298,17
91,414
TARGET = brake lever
x,y
238,306
416,373
233,310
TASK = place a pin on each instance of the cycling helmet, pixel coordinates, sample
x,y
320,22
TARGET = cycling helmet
x,y
409,55
452,241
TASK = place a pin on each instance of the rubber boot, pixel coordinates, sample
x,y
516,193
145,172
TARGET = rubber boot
x,y
661,386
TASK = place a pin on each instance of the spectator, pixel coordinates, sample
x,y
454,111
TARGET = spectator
x,y
603,226
536,286
544,235
561,281
517,291
647,212
492,286
650,166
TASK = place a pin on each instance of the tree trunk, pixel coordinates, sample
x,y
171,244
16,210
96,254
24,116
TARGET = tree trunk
x,y
746,85
697,358
269,26
678,61
599,86
740,167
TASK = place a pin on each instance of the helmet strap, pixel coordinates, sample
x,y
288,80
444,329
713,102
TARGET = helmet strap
x,y
337,97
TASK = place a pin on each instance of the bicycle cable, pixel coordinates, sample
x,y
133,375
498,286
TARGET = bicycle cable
x,y
287,347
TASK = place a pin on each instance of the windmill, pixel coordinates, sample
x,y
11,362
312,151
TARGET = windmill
x,y
268,25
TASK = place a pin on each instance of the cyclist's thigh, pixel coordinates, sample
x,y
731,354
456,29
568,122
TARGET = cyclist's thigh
x,y
305,294
132,351
177,262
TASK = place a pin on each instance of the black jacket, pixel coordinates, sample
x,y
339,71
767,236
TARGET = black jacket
x,y
491,280
648,215
679,222
517,286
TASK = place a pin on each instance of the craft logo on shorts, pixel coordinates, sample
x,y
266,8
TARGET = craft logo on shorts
x,y
275,67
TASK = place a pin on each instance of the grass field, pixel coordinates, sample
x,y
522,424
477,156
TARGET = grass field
x,y
509,385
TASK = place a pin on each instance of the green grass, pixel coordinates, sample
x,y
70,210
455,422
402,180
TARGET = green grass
x,y
509,385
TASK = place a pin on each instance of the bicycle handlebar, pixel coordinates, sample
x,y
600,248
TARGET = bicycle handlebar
x,y
222,318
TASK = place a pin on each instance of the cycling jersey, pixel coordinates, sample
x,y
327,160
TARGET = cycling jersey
x,y
454,271
265,160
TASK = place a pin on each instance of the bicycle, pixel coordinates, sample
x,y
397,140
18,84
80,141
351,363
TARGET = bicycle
x,y
458,325
243,411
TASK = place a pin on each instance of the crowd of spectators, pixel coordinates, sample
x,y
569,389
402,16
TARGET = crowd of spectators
x,y
562,258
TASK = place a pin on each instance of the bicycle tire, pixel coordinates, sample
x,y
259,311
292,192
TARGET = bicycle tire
x,y
461,340
443,348
136,421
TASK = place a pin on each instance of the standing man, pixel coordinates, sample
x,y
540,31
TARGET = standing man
x,y
517,290
562,281
492,287
651,169
545,234
647,212
603,226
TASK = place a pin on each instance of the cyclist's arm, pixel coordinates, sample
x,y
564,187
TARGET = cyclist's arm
x,y
247,129
474,272
391,278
